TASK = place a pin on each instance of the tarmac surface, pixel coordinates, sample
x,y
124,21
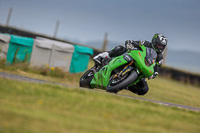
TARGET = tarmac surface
x,y
22,78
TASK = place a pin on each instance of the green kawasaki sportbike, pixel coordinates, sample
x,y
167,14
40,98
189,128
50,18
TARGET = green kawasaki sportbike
x,y
122,71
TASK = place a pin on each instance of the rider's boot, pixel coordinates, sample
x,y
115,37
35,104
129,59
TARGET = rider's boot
x,y
99,58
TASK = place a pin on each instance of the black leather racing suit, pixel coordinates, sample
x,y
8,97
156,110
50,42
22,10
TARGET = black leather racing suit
x,y
141,88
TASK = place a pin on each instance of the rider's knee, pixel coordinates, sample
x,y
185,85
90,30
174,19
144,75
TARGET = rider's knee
x,y
139,90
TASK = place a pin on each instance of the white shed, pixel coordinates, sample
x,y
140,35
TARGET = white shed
x,y
41,53
4,44
59,53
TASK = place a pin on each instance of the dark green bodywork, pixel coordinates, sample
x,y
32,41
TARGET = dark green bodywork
x,y
101,78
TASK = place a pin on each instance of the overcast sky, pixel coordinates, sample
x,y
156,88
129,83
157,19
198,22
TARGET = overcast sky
x,y
88,20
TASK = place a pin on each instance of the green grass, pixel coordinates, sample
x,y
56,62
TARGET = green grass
x,y
35,108
167,90
173,91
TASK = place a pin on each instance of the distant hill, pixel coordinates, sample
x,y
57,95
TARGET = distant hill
x,y
185,60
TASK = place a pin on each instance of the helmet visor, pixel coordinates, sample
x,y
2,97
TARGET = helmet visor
x,y
160,47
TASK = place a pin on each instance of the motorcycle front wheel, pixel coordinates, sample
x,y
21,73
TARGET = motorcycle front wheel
x,y
116,85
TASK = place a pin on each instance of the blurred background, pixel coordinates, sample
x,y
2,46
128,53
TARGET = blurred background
x,y
66,34
94,22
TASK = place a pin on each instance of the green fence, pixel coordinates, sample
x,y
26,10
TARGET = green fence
x,y
19,50
80,59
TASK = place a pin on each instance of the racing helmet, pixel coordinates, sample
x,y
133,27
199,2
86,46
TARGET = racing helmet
x,y
159,42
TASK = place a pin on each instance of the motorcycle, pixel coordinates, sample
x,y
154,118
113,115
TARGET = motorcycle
x,y
120,72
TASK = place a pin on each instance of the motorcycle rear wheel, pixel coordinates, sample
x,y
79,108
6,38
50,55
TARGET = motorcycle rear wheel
x,y
87,78
114,88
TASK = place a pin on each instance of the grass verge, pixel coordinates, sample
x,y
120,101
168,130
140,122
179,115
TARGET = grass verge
x,y
30,107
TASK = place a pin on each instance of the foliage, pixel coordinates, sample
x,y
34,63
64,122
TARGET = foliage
x,y
45,71
2,63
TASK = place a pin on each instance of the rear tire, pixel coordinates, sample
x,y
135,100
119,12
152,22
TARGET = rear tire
x,y
87,78
123,84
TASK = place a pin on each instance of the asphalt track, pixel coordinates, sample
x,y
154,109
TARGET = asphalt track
x,y
22,78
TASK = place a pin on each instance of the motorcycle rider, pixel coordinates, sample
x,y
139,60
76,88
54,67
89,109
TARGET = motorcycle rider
x,y
158,43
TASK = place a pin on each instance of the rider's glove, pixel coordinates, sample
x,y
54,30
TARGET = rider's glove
x,y
154,75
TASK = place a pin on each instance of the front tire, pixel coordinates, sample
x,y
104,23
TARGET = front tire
x,y
114,88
